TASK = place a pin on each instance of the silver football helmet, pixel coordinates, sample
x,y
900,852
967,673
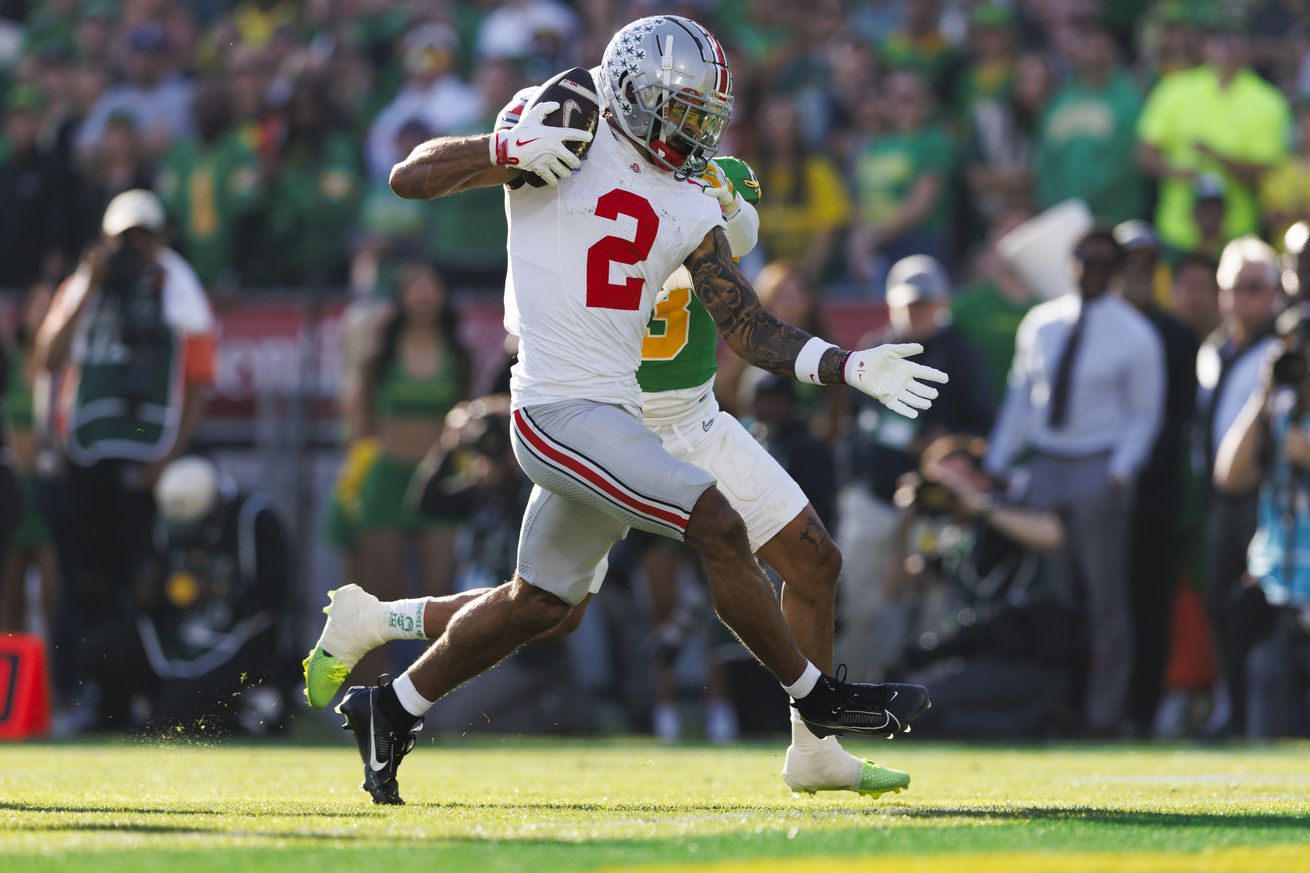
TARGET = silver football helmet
x,y
666,82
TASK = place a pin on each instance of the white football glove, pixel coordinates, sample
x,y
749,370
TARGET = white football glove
x,y
883,373
716,184
536,147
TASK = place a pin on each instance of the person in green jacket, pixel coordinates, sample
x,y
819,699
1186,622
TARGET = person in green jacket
x,y
212,190
1086,141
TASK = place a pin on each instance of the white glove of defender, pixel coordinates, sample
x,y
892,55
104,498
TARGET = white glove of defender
x,y
538,148
716,184
883,373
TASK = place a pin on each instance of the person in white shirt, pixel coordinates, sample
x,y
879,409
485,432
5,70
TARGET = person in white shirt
x,y
433,94
1228,371
1086,394
156,99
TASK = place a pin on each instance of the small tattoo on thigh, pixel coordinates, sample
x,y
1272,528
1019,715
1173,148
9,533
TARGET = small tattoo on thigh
x,y
812,533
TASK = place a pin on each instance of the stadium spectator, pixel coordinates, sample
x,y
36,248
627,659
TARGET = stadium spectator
x,y
203,649
1170,42
153,97
433,95
901,183
1285,187
1268,448
807,206
32,221
787,436
1296,261
1087,135
806,71
418,372
313,188
117,164
966,586
526,29
1209,213
1228,369
257,22
1155,556
785,292
988,74
1194,293
94,37
211,187
886,446
245,79
1087,395
919,45
131,336
1219,117
989,311
30,545
466,239
1001,135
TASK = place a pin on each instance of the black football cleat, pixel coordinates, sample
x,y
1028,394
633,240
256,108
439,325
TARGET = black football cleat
x,y
836,706
382,744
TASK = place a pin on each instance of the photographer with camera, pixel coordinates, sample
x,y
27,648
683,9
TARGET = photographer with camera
x,y
130,336
1269,447
967,589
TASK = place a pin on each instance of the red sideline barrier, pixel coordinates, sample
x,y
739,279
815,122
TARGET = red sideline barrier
x,y
24,687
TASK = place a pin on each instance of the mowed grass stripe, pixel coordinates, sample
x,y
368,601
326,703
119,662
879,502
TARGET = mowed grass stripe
x,y
1246,860
587,806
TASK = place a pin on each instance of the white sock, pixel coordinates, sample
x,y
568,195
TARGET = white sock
x,y
801,736
415,704
402,619
805,684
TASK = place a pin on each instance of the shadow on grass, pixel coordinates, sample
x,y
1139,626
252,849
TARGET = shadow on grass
x,y
133,809
1136,817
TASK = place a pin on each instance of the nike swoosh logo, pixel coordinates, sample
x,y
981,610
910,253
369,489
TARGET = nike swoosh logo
x,y
523,142
374,764
706,425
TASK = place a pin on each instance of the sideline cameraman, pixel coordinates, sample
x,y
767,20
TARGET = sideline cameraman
x,y
967,582
131,337
1269,446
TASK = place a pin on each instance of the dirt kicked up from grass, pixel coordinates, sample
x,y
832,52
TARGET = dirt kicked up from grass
x,y
635,806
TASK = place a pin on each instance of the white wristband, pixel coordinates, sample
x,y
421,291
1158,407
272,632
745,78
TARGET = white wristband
x,y
492,142
807,362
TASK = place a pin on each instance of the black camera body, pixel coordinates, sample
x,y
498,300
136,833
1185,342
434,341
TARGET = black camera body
x,y
1290,369
931,499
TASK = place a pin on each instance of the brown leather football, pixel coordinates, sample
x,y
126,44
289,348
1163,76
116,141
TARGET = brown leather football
x,y
579,108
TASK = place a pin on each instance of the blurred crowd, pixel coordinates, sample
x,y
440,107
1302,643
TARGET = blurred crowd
x,y
1087,534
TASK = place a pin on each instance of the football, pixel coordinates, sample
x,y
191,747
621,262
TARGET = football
x,y
579,107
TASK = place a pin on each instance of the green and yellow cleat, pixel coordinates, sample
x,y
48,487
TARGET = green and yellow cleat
x,y
875,781
345,639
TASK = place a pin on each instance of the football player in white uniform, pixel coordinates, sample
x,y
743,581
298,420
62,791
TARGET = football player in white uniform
x,y
588,251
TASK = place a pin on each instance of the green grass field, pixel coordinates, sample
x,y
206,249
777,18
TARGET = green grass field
x,y
547,806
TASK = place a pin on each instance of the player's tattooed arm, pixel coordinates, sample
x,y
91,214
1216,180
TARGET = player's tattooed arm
x,y
447,165
747,327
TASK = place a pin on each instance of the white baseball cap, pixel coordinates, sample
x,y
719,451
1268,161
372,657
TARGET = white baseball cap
x,y
135,208
918,277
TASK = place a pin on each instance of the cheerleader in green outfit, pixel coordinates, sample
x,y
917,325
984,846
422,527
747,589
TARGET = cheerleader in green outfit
x,y
32,548
418,373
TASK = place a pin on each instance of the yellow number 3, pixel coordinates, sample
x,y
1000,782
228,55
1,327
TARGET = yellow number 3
x,y
666,335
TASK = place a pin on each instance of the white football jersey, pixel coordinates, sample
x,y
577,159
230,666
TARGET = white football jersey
x,y
586,260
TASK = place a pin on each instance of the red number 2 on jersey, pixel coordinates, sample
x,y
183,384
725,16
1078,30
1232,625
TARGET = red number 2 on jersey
x,y
601,292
